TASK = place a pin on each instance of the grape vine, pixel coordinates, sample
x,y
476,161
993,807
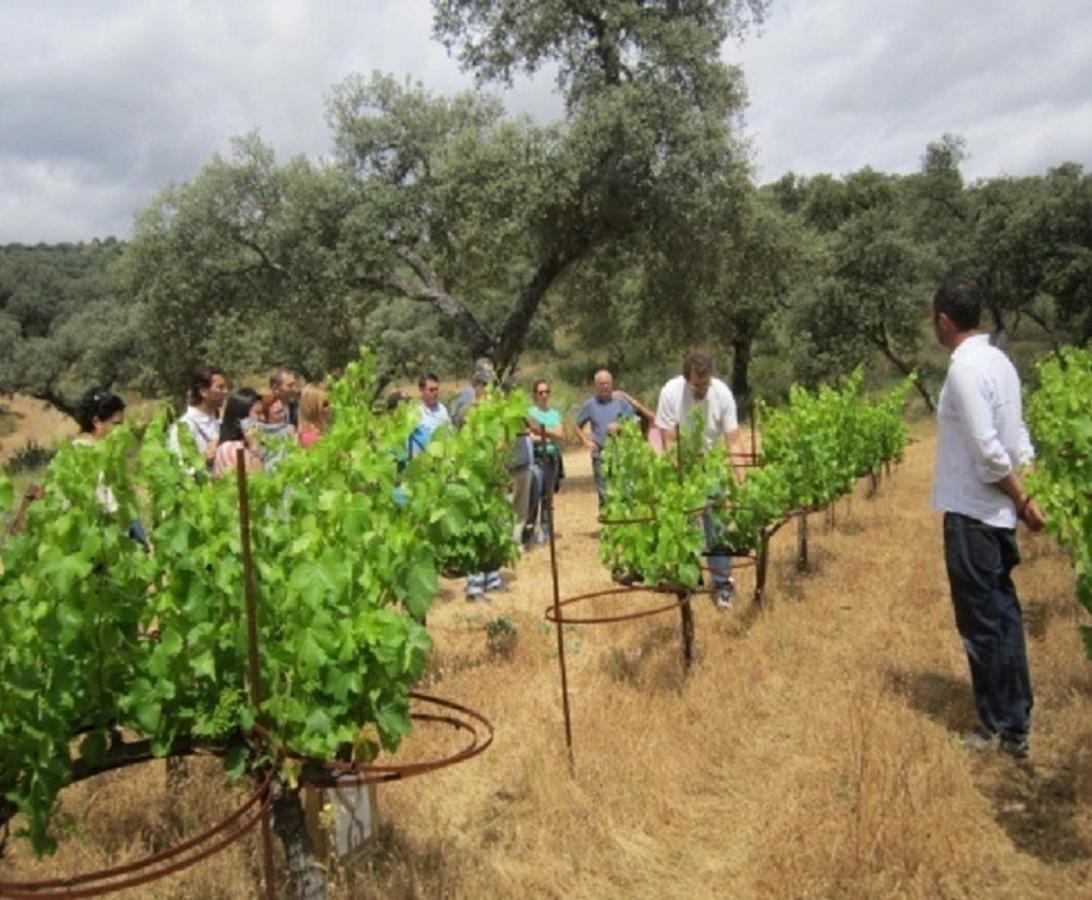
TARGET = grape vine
x,y
1060,419
813,450
98,635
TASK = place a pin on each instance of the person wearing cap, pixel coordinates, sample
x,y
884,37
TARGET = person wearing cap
x,y
483,376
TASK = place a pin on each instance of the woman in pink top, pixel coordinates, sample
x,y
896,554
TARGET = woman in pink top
x,y
314,414
243,404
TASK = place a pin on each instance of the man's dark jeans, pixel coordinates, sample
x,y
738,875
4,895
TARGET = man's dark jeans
x,y
980,560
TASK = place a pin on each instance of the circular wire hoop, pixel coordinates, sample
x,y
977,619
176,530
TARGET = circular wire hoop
x,y
160,865
682,595
334,773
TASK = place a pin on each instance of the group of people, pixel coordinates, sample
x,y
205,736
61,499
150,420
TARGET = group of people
x,y
982,443
222,423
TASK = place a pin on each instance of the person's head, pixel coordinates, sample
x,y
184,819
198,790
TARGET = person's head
x,y
698,372
957,309
429,386
481,381
483,364
242,404
100,411
272,410
540,392
395,399
604,385
283,383
314,408
208,388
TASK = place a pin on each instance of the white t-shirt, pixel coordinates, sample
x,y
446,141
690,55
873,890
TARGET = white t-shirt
x,y
202,426
718,406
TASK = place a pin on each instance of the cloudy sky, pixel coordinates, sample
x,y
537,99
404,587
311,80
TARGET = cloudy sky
x,y
104,101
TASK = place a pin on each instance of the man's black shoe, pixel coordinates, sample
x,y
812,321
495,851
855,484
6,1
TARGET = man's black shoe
x,y
1017,747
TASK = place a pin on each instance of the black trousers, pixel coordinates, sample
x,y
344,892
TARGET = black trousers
x,y
980,559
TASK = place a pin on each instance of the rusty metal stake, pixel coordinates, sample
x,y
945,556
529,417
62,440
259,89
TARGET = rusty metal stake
x,y
548,499
251,592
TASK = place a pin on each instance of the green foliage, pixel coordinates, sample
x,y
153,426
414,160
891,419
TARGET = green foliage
x,y
347,540
65,324
814,449
1060,418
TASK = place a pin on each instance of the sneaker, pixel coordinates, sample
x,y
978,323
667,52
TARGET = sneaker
x,y
1015,746
724,595
978,738
542,537
493,582
618,576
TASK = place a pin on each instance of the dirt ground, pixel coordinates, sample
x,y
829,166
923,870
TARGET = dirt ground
x,y
24,419
812,751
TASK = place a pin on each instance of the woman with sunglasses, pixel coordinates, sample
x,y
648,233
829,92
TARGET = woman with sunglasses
x,y
546,432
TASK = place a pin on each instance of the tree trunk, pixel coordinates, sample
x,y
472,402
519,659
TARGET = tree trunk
x,y
513,335
741,364
308,877
880,339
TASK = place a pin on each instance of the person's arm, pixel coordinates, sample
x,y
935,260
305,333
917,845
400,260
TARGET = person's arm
x,y
1027,510
643,411
33,493
541,431
582,419
666,420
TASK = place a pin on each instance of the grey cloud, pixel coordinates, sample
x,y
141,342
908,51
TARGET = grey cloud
x,y
103,103
838,85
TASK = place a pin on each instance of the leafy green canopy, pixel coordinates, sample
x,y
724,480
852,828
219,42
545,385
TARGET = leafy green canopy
x,y
1060,417
348,537
814,449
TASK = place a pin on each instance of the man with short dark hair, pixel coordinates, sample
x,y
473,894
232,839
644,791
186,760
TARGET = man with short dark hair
x,y
696,390
981,442
432,412
207,392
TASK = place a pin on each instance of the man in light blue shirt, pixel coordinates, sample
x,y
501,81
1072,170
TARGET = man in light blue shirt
x,y
602,411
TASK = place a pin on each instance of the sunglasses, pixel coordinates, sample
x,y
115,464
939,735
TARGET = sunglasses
x,y
543,393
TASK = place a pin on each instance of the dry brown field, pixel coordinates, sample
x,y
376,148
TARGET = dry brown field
x,y
812,751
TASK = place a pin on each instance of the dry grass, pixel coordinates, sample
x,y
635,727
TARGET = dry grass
x,y
811,752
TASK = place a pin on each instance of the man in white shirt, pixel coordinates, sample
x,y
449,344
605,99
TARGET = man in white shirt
x,y
431,411
697,389
208,391
981,442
